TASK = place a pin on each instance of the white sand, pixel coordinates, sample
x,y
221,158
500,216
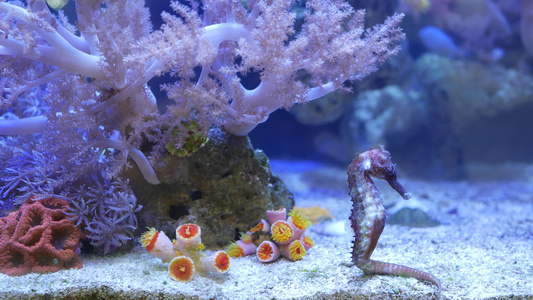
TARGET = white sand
x,y
483,250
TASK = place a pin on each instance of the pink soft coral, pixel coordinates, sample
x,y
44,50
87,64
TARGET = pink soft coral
x,y
96,82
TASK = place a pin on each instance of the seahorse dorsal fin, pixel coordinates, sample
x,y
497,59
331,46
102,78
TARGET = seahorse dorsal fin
x,y
348,227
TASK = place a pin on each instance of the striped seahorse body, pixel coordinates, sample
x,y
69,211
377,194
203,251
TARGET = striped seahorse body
x,y
368,214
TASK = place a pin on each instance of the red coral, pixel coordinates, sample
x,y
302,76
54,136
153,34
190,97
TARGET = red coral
x,y
39,238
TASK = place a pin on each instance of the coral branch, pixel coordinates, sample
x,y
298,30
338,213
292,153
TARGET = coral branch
x,y
23,126
61,53
139,158
94,84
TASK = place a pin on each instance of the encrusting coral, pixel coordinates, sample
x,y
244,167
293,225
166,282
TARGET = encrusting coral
x,y
39,238
278,236
368,214
184,253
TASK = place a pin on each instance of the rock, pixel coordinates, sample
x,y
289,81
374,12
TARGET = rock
x,y
225,188
412,217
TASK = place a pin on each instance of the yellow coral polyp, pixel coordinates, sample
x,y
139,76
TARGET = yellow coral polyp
x,y
246,238
300,221
193,248
148,237
235,250
307,241
296,250
282,232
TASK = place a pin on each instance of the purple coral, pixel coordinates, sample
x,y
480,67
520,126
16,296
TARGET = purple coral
x,y
106,211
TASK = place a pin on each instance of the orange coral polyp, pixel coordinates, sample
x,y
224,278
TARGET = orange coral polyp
x,y
188,231
151,246
188,238
149,238
262,226
282,232
217,262
222,261
181,268
158,245
267,252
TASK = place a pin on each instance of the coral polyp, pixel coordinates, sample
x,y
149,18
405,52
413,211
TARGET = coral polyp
x,y
219,262
186,253
300,221
267,252
307,242
294,251
159,245
285,237
181,268
188,238
282,232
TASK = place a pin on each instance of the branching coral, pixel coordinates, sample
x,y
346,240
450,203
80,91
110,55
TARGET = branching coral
x,y
95,83
76,104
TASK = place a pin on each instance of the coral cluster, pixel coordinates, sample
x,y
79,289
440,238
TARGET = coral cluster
x,y
185,253
278,236
39,238
103,209
92,108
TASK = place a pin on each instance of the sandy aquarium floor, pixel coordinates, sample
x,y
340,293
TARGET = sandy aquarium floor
x,y
483,249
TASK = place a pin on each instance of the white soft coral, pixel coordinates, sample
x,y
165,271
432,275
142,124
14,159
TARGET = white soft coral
x,y
96,83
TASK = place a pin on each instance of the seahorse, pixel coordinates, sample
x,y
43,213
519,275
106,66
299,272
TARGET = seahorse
x,y
368,214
